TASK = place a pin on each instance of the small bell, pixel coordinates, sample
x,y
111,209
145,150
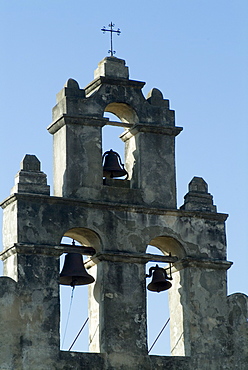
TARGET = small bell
x,y
159,281
112,165
73,272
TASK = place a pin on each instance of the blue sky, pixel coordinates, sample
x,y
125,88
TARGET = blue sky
x,y
195,52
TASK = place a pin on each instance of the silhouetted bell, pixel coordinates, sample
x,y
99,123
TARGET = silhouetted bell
x,y
73,272
159,280
112,165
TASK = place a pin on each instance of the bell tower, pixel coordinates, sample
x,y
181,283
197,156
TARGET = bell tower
x,y
115,220
149,137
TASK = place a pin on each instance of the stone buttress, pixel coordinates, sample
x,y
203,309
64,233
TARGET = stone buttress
x,y
119,219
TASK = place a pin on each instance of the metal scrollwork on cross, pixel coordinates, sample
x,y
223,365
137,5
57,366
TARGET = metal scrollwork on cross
x,y
111,30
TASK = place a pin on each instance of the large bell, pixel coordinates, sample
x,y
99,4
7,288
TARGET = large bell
x,y
73,272
112,165
159,280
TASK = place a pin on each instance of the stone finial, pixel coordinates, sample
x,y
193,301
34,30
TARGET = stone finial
x,y
112,67
30,163
198,185
71,89
30,179
198,198
71,84
155,97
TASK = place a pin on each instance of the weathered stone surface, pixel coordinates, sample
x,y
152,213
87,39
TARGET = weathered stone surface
x,y
30,163
118,219
150,140
155,97
238,328
112,67
29,315
198,198
9,324
30,179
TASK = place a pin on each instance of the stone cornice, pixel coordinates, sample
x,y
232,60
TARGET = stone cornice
x,y
151,128
221,217
48,250
96,83
202,263
134,128
65,119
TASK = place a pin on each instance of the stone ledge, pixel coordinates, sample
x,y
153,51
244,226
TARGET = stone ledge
x,y
48,250
151,128
117,183
65,119
79,360
201,262
133,208
102,80
124,361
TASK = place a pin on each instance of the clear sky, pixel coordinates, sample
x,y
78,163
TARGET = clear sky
x,y
195,52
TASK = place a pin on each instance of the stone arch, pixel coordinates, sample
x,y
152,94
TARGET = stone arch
x,y
168,244
84,236
123,111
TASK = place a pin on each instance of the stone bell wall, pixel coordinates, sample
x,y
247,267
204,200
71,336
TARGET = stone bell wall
x,y
119,219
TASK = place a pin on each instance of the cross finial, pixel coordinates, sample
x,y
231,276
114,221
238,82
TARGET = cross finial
x,y
104,29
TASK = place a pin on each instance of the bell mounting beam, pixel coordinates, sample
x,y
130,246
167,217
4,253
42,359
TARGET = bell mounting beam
x,y
68,248
130,257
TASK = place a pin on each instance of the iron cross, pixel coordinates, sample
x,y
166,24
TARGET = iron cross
x,y
104,29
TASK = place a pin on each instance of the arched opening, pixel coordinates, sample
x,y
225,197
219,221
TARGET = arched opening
x,y
84,236
121,117
111,137
124,112
158,304
157,314
168,245
74,302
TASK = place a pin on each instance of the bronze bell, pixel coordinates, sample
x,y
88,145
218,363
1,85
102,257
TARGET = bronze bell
x,y
159,280
112,165
73,272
